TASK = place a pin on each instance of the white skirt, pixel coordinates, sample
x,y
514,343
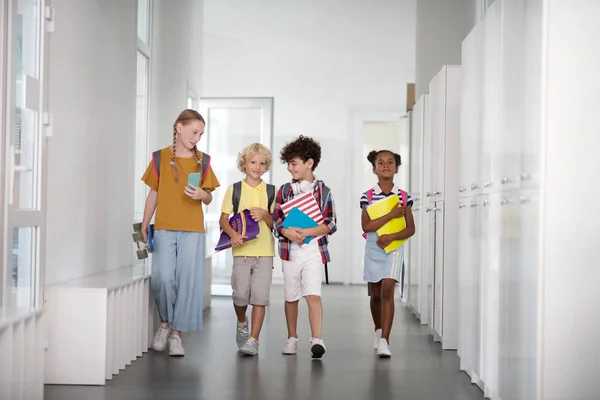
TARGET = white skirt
x,y
380,265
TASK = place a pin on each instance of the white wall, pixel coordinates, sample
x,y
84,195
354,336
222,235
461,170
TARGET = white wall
x,y
441,28
90,170
318,59
92,96
176,61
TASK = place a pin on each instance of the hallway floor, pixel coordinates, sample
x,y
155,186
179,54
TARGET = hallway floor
x,y
212,368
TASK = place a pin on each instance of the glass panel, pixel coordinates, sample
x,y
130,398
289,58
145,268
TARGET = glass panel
x,y
143,21
25,117
23,266
228,131
141,134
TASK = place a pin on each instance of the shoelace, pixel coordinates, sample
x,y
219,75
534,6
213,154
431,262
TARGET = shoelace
x,y
162,333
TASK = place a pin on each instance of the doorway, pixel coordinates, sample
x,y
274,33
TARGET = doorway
x,y
231,124
374,131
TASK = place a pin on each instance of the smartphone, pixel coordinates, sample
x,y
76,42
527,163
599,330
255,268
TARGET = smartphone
x,y
194,179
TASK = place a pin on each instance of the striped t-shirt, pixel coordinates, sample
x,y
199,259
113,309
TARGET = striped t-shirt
x,y
378,195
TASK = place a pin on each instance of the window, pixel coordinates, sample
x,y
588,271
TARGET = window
x,y
142,152
23,67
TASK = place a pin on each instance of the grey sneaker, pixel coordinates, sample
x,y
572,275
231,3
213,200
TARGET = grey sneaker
x,y
242,334
250,348
176,346
159,343
317,348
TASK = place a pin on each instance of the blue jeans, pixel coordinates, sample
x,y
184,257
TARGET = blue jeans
x,y
177,280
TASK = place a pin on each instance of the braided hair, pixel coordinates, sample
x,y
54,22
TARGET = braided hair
x,y
185,118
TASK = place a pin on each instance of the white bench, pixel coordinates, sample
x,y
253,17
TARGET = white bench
x,y
98,325
22,354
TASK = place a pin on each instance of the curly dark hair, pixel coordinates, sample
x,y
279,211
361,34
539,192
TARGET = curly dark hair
x,y
372,157
303,148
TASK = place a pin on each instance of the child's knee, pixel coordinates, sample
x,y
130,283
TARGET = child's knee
x,y
313,299
376,295
387,292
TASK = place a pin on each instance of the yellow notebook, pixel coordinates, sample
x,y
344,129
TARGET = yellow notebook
x,y
383,207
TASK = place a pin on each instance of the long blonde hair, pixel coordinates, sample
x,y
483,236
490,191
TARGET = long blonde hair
x,y
186,117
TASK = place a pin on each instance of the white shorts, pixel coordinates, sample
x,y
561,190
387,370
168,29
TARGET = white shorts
x,y
303,274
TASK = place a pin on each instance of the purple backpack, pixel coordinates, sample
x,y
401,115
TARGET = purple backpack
x,y
370,199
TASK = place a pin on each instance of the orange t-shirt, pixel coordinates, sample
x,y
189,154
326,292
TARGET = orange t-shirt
x,y
175,211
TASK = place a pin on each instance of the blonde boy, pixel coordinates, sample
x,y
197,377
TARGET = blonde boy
x,y
252,260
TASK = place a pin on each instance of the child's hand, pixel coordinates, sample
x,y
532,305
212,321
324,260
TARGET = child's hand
x,y
294,234
258,213
145,236
384,240
195,192
237,240
398,211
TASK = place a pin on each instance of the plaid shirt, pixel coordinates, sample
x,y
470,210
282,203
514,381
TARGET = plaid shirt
x,y
285,194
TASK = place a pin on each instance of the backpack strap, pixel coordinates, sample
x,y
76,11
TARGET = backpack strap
x,y
205,164
270,196
370,195
285,191
404,195
156,163
325,193
236,195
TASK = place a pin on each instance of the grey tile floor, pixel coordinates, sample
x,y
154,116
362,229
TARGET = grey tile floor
x,y
212,368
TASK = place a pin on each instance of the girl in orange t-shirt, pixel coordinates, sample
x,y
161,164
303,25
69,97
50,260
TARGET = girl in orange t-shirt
x,y
177,281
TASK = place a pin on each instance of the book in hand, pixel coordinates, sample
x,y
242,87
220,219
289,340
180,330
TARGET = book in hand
x,y
298,219
243,224
383,207
305,203
151,238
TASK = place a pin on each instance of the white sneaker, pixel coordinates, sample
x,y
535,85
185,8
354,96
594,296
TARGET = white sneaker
x,y
176,346
377,337
291,346
159,343
317,348
242,334
383,349
250,348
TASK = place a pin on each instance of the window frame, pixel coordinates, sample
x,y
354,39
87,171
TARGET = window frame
x,y
144,49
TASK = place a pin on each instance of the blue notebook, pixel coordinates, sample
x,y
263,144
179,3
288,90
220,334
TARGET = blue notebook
x,y
297,219
150,237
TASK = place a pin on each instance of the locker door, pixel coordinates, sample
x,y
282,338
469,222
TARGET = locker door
x,y
438,268
414,292
469,289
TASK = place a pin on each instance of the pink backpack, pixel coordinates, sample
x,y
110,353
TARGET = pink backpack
x,y
370,199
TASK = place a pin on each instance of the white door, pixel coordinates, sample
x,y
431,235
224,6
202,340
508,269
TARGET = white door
x,y
23,153
437,212
231,124
425,226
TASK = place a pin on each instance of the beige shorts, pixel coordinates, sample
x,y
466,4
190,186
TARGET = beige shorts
x,y
251,280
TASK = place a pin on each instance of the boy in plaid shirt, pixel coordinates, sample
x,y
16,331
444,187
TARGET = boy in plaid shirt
x,y
303,265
